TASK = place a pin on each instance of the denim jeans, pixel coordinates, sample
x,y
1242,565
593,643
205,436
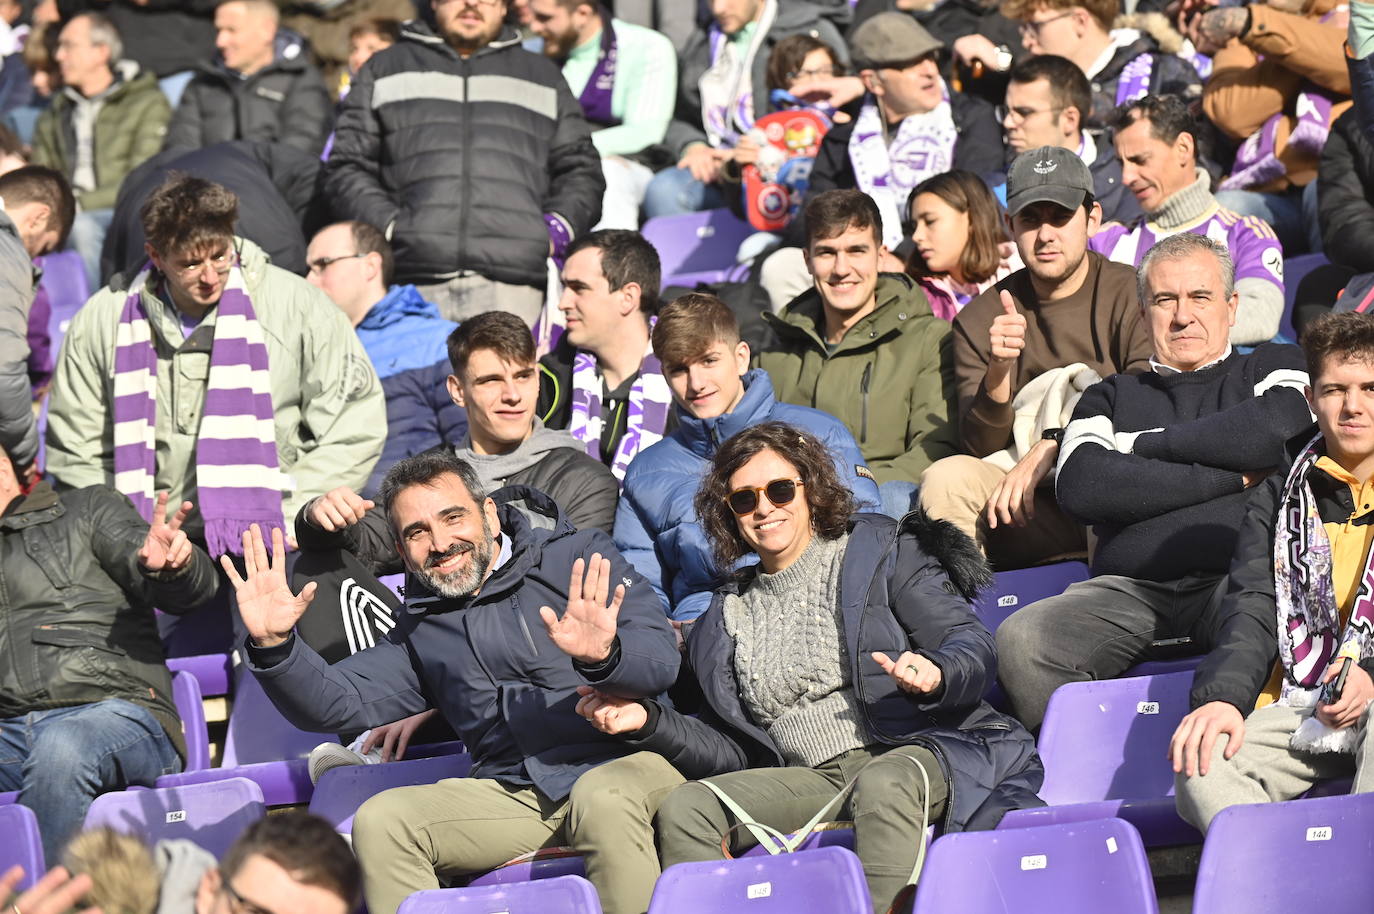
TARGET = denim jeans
x,y
1292,214
62,759
674,192
87,237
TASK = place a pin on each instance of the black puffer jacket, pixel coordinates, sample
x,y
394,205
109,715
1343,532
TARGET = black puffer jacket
x,y
1169,75
284,102
460,158
164,36
1345,195
902,587
76,622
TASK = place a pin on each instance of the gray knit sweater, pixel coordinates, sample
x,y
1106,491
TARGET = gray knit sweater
x,y
791,660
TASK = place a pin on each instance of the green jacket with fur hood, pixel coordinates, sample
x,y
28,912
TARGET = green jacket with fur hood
x,y
329,412
891,379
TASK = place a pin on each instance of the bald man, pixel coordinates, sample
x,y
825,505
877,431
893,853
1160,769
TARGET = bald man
x,y
260,86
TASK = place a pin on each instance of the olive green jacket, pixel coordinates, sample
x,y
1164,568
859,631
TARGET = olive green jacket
x,y
129,128
328,410
891,379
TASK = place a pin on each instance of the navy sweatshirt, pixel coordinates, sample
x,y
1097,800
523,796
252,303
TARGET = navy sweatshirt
x,y
1167,502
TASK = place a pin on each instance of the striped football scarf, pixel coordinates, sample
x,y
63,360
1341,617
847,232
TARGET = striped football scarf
x,y
650,403
238,477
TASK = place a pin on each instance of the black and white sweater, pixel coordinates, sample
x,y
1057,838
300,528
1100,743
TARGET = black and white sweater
x,y
1155,462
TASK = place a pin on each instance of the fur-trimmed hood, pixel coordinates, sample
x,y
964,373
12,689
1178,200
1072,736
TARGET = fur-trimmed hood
x,y
1155,25
954,549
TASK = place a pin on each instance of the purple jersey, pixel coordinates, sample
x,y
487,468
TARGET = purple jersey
x,y
1254,246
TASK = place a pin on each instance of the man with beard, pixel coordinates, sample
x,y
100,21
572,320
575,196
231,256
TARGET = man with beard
x,y
479,642
1068,307
625,78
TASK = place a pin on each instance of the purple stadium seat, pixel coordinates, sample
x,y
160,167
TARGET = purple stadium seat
x,y
827,879
342,790
258,732
564,895
1075,868
281,783
1160,667
1295,269
211,815
64,279
186,696
21,844
8,797
1104,746
698,247
213,672
1015,589
1305,855
394,583
545,863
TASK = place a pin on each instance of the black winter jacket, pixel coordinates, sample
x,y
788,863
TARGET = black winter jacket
x,y
284,102
978,149
903,587
164,36
76,621
1247,646
459,159
485,662
1345,195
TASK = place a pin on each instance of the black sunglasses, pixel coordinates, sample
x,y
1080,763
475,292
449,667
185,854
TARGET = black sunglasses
x,y
779,491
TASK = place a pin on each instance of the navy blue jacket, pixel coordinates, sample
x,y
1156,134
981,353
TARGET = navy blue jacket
x,y
656,525
485,662
899,591
406,340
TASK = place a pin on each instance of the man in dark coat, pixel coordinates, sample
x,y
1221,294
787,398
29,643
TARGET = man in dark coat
x,y
472,156
479,642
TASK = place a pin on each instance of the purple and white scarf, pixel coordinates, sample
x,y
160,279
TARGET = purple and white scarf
x,y
1257,160
649,406
1308,617
596,94
727,86
923,146
1134,81
239,481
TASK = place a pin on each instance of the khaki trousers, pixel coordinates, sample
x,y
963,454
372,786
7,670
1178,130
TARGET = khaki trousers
x,y
1266,769
957,489
885,807
470,295
408,838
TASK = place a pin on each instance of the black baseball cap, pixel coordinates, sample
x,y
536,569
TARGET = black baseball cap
x,y
1049,174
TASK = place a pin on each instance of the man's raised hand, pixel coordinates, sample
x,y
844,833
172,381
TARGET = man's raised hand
x,y
587,629
1007,335
166,547
338,508
268,608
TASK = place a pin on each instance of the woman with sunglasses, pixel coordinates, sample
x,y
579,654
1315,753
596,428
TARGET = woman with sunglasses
x,y
848,657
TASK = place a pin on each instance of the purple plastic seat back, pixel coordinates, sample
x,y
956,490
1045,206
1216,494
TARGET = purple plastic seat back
x,y
1015,589
832,834
697,247
1294,270
186,696
564,895
545,863
1079,868
342,790
258,732
827,880
1304,855
21,844
1109,740
64,279
213,672
212,815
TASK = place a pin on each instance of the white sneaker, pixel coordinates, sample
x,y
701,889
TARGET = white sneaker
x,y
327,756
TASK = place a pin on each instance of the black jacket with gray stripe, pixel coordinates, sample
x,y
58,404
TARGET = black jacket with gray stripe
x,y
458,159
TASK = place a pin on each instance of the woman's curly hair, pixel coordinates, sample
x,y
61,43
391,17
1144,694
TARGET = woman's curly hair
x,y
829,499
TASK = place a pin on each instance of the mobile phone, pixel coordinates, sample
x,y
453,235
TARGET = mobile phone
x,y
1331,692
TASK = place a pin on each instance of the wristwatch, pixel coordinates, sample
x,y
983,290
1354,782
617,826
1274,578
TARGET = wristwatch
x,y
1053,434
1004,58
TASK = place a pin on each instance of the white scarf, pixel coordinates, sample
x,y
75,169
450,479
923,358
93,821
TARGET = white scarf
x,y
923,147
727,86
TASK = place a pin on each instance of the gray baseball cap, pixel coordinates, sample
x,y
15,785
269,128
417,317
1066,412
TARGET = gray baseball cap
x,y
890,38
1050,174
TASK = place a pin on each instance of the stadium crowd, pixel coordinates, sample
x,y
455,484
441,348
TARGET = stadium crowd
x,y
295,296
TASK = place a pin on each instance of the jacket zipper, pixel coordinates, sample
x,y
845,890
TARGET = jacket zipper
x,y
467,161
524,627
863,389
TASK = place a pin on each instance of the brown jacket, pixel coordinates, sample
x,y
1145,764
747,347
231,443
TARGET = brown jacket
x,y
1245,90
1098,326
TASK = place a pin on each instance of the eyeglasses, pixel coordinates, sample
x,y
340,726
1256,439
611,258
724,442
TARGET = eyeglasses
x,y
1033,28
324,263
1021,115
220,262
780,492
812,73
240,904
